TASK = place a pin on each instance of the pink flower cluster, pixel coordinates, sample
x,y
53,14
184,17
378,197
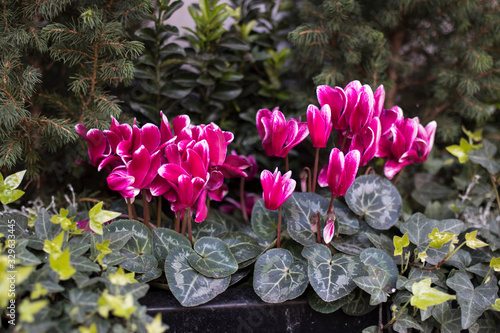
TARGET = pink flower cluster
x,y
364,125
184,165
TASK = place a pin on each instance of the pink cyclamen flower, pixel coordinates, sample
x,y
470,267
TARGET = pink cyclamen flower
x,y
319,123
279,135
407,143
329,232
340,172
367,142
276,188
336,99
99,147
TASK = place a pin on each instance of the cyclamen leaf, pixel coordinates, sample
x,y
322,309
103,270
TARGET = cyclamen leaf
x,y
213,258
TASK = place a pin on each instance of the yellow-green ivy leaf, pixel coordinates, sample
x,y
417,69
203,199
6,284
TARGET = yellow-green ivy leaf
x,y
474,136
38,291
400,243
495,263
99,216
422,256
472,242
496,306
460,151
61,264
156,326
28,310
424,295
62,219
54,246
103,249
91,329
13,181
441,238
121,278
120,306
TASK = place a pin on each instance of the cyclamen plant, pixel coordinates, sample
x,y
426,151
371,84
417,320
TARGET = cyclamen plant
x,y
184,166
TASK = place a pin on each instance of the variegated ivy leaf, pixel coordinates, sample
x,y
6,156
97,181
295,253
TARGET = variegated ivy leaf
x,y
496,306
156,325
63,220
278,276
472,242
460,151
53,247
120,278
375,198
28,310
424,295
119,305
495,264
60,263
8,192
473,301
99,216
400,243
441,238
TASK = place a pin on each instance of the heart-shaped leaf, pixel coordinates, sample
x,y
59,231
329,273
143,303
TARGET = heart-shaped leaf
x,y
374,284
317,304
354,244
265,222
209,229
348,221
298,210
213,258
188,286
278,277
141,240
138,262
149,276
473,301
164,240
359,304
375,198
228,221
382,262
242,246
331,277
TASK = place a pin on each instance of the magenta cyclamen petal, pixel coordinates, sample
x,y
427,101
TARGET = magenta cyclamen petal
x,y
138,167
165,131
379,97
351,166
150,137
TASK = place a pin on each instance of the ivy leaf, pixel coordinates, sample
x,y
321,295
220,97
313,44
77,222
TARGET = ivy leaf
x,y
99,216
8,192
424,295
120,306
103,249
472,242
495,264
120,278
460,151
156,325
28,310
448,318
441,238
473,301
496,306
484,157
374,285
53,247
400,243
60,263
477,135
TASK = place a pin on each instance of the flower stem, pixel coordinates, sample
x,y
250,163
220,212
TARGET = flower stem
x,y
396,316
286,164
242,200
493,182
486,275
158,212
278,244
397,177
190,234
315,172
145,205
177,223
134,213
129,207
184,224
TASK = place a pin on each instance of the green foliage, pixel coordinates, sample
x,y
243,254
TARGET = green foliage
x,y
233,63
411,48
51,48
